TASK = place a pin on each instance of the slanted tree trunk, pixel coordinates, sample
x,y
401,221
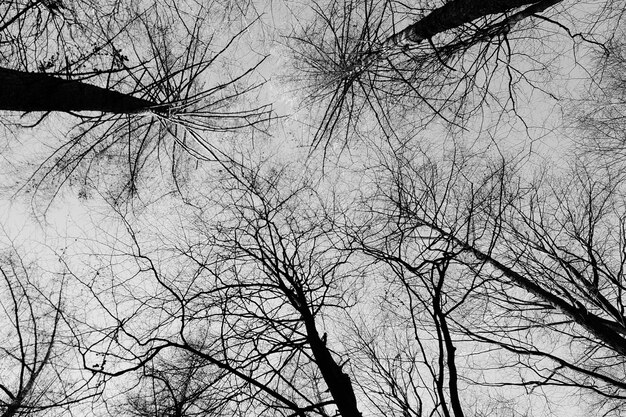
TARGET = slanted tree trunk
x,y
459,12
611,334
338,382
38,92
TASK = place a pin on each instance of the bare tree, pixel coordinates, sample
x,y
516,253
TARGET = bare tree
x,y
407,366
543,259
153,80
36,372
250,291
395,63
183,386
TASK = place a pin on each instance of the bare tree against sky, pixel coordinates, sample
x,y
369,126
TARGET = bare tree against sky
x,y
248,292
154,75
387,61
207,272
36,375
546,257
182,385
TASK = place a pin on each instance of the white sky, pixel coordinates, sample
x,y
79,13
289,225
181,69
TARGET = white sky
x,y
70,219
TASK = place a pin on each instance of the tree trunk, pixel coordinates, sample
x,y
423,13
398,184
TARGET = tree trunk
x,y
338,382
600,329
38,92
453,376
459,12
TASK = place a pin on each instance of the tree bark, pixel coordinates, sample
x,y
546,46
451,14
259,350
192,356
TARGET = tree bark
x,y
38,92
338,382
459,12
453,376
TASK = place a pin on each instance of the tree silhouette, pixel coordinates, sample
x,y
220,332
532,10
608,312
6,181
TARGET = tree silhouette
x,y
434,269
37,92
143,82
447,63
37,374
267,277
541,258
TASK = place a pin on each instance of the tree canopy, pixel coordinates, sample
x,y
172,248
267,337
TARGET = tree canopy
x,y
338,208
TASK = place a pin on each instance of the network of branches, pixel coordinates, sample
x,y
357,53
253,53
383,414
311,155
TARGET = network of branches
x,y
339,208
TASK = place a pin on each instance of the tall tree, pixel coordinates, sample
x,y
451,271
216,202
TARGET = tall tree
x,y
37,374
249,293
37,92
545,258
154,79
394,63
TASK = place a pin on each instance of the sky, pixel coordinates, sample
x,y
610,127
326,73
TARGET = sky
x,y
536,136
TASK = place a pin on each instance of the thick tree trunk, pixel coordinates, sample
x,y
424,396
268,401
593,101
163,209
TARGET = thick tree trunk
x,y
338,382
37,92
459,12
